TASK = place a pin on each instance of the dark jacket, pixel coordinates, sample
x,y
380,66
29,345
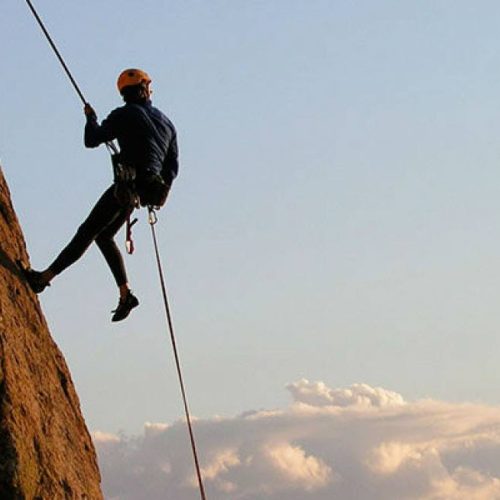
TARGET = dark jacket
x,y
148,151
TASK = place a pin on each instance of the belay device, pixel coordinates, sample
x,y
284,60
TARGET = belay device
x,y
121,171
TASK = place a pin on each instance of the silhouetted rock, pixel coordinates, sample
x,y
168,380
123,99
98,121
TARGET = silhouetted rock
x,y
46,452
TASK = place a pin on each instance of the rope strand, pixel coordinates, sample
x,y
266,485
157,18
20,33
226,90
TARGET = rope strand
x,y
152,221
54,48
109,144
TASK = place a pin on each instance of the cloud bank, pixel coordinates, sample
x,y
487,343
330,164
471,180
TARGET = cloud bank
x,y
356,443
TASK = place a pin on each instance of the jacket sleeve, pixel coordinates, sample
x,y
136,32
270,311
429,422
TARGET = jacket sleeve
x,y
96,134
171,163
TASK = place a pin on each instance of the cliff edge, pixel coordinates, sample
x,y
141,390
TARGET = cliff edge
x,y
46,451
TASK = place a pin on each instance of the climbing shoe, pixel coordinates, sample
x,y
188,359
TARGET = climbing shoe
x,y
125,306
35,280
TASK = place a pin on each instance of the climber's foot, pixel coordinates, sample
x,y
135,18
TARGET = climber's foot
x,y
35,279
125,305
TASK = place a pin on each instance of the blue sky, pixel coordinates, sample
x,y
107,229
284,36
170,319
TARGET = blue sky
x,y
336,213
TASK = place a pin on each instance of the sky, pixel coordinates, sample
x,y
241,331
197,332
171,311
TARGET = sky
x,y
335,218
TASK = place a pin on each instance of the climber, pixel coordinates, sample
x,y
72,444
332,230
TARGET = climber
x,y
148,144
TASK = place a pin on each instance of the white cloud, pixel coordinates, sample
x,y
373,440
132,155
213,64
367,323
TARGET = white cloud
x,y
105,437
356,443
318,394
464,484
306,472
390,456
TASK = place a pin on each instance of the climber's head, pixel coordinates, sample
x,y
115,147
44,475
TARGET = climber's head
x,y
133,85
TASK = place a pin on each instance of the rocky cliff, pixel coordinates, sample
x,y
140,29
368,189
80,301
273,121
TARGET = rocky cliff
x,y
46,452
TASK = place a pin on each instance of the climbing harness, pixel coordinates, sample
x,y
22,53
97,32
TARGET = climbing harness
x,y
124,192
153,219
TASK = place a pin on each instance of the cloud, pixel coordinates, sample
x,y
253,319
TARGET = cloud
x,y
318,394
306,472
352,443
105,437
387,458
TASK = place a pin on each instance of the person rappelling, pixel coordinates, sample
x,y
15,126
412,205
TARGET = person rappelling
x,y
145,169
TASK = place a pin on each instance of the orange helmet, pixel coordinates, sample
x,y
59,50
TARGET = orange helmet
x,y
132,76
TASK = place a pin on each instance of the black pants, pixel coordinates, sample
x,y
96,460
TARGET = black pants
x,y
103,222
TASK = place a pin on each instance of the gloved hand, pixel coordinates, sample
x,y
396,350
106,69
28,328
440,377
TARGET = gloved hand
x,y
89,112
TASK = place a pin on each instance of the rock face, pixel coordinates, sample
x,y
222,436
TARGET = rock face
x,y
46,451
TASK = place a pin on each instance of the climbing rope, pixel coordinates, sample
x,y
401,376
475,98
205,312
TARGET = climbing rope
x,y
54,48
109,144
152,222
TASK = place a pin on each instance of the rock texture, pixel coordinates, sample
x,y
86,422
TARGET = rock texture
x,y
46,452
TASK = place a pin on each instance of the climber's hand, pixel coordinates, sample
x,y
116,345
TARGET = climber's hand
x,y
89,111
